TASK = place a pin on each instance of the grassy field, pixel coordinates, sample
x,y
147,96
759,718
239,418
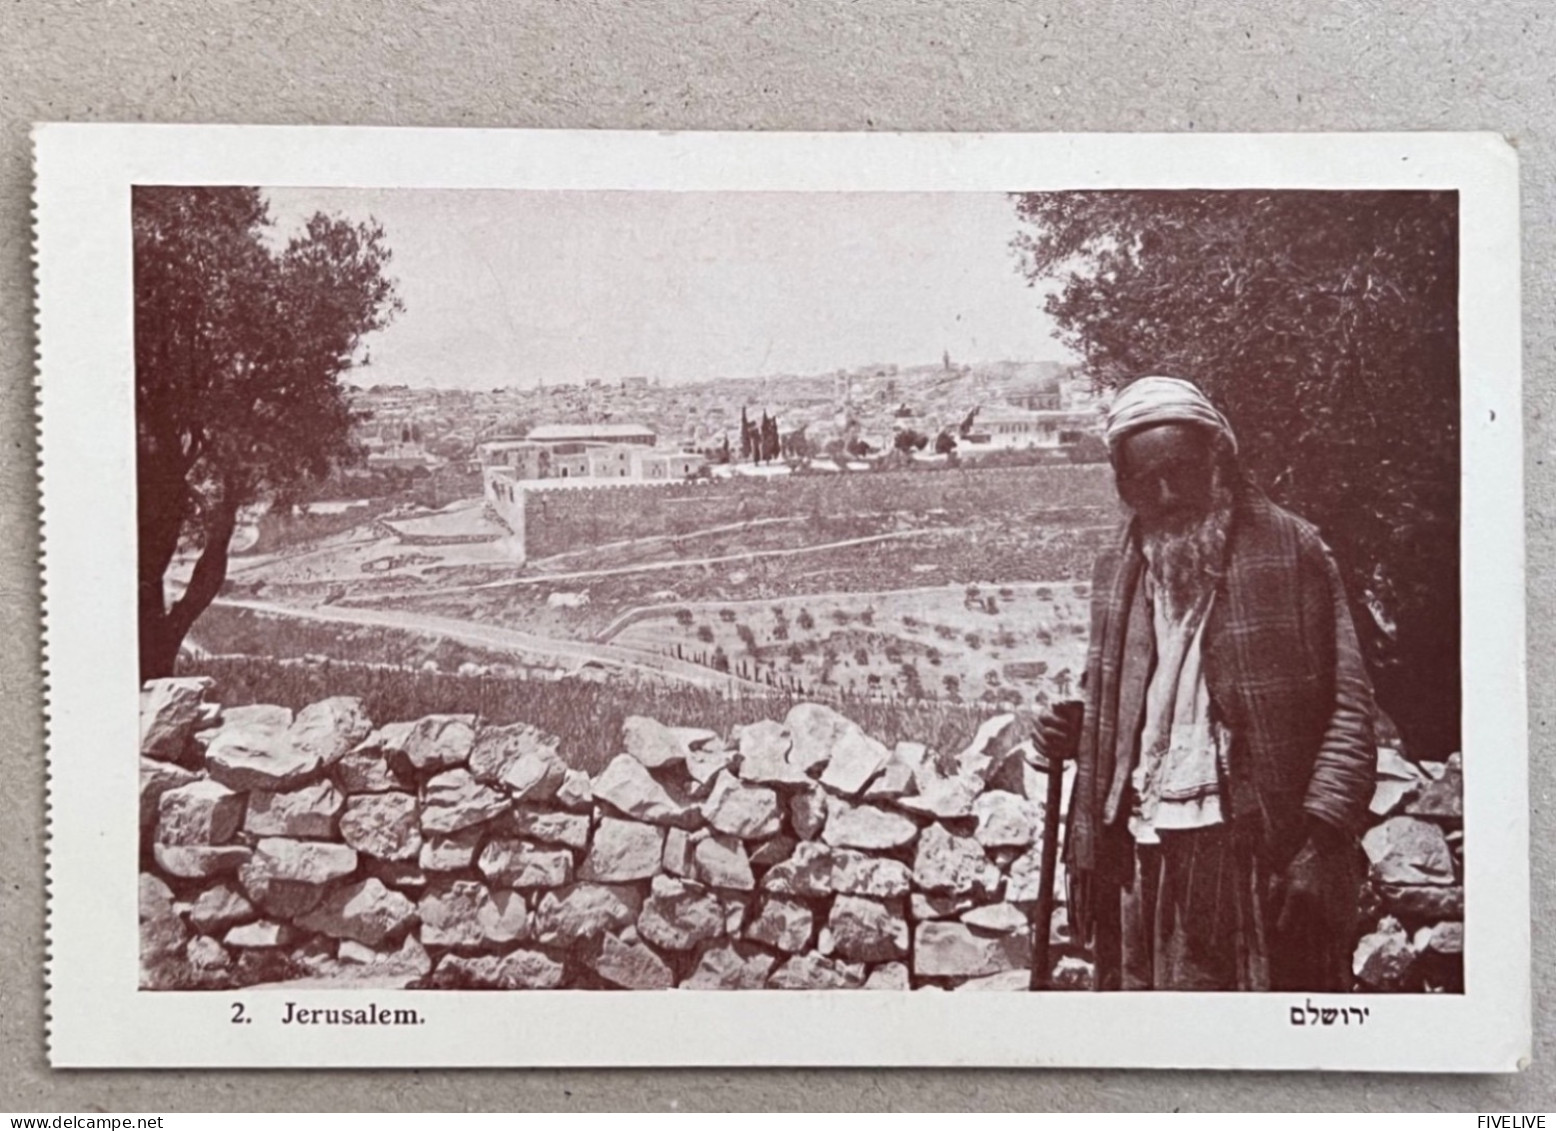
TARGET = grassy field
x,y
587,715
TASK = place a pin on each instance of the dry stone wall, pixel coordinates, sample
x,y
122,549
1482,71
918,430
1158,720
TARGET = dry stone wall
x,y
791,854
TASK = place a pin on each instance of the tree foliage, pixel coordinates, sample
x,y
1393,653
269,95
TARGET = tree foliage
x,y
240,341
1325,325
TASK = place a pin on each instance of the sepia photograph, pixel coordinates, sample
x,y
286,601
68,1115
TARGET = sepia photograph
x,y
1053,590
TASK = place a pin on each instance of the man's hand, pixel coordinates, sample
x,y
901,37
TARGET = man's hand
x,y
1058,732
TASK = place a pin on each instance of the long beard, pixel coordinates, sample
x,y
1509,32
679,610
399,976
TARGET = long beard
x,y
1186,563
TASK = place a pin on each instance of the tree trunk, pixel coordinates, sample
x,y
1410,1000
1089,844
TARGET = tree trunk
x,y
162,629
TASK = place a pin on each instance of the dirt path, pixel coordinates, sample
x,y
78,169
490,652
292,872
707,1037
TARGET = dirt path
x,y
503,639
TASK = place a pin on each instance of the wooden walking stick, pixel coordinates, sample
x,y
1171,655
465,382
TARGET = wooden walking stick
x,y
1070,712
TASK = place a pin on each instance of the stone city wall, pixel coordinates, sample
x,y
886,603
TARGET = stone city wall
x,y
800,854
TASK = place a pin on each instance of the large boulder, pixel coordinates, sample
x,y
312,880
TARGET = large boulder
x,y
720,862
328,729
623,851
998,919
866,827
382,825
856,759
889,976
549,826
262,934
730,966
854,873
498,749
952,865
259,758
808,872
867,930
215,909
535,775
366,911
452,853
1442,799
200,861
369,769
1423,902
944,798
156,778
783,924
440,742
749,812
202,812
1405,850
206,954
584,911
170,712
658,746
576,792
1006,820
1385,958
813,971
258,714
808,812
300,861
678,915
955,950
627,786
454,800
631,965
308,813
468,915
764,750
996,741
520,864
519,969
409,961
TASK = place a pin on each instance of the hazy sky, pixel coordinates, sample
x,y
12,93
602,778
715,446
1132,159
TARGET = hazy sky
x,y
508,288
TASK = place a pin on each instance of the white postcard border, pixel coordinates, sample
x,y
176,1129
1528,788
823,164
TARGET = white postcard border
x,y
97,1016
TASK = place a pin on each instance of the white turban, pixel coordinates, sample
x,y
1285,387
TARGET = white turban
x,y
1148,401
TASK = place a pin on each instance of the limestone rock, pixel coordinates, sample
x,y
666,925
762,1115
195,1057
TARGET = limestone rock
x,y
658,746
1405,850
199,861
440,742
410,960
155,898
922,907
888,976
383,825
258,714
467,915
156,778
720,862
261,758
519,969
748,812
326,730
402,875
1423,902
1025,877
535,775
1442,799
308,812
162,932
954,950
220,907
997,738
812,971
704,763
808,812
856,759
764,749
205,953
630,789
678,915
584,911
370,771
944,798
1392,765
367,911
278,899
1072,973
300,861
169,714
454,801
549,826
998,919
450,853
1006,820
496,749
952,865
677,859
1444,938
520,864
867,930
388,739
576,791
263,934
806,873
631,965
1385,959
1007,981
770,852
202,812
783,924
854,873
729,966
623,851
895,779
866,826
1390,794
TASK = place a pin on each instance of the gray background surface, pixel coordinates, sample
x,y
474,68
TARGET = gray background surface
x,y
744,64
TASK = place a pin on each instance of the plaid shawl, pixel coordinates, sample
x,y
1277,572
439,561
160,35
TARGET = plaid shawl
x,y
1285,674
